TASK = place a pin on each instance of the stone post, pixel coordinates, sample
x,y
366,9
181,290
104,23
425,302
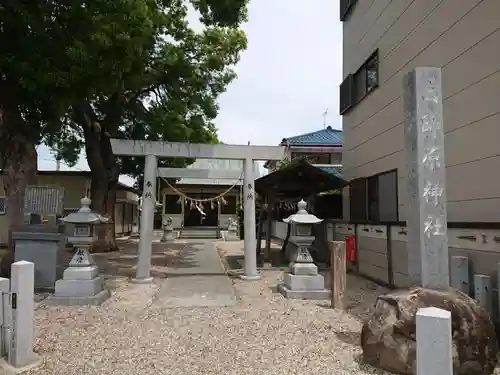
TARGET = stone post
x,y
5,316
250,243
434,348
338,274
20,353
143,272
424,147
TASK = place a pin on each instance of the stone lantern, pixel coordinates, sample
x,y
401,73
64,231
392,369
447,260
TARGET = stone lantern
x,y
302,280
167,224
81,283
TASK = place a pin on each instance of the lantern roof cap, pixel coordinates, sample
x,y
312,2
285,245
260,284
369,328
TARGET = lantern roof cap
x,y
302,216
85,215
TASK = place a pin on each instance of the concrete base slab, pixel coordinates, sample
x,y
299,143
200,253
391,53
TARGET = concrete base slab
x,y
304,282
7,369
78,288
95,300
304,294
250,278
145,280
196,291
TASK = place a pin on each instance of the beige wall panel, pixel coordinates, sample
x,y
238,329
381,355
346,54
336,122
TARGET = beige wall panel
x,y
475,180
475,103
476,141
444,16
483,210
380,30
439,53
383,121
384,144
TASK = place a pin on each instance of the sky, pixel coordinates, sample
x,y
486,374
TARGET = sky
x,y
288,76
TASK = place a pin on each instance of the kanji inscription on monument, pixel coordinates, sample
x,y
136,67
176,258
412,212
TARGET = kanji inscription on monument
x,y
424,148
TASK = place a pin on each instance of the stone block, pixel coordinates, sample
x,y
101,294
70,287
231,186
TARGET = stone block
x,y
78,288
388,335
304,282
307,269
41,249
81,273
304,294
434,323
22,280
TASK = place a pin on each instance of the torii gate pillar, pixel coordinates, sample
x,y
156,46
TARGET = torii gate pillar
x,y
155,149
143,269
250,242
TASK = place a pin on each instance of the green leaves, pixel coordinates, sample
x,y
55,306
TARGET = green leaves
x,y
227,13
136,67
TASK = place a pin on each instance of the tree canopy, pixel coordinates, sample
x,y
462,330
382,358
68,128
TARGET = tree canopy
x,y
77,73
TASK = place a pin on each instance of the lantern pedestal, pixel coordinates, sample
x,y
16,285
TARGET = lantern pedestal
x,y
303,281
81,283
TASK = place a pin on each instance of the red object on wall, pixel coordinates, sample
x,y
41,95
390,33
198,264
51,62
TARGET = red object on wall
x,y
350,244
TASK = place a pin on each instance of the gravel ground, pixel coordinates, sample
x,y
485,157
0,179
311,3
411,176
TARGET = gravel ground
x,y
262,334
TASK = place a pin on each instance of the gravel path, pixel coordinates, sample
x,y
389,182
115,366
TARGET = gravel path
x,y
132,333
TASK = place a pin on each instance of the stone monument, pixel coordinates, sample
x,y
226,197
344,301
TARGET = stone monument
x,y
388,337
168,229
302,280
427,244
40,238
81,283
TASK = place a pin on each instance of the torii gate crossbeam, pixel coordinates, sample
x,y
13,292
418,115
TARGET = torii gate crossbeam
x,y
152,150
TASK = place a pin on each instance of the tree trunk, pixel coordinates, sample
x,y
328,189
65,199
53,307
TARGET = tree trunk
x,y
19,171
105,173
17,155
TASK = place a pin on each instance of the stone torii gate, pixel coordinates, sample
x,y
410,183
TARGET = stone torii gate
x,y
152,150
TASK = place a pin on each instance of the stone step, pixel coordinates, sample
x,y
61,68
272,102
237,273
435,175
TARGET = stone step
x,y
193,233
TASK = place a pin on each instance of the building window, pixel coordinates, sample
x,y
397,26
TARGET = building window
x,y
371,67
346,94
319,158
345,8
337,158
230,207
388,196
373,201
172,205
358,199
366,78
383,197
375,198
3,205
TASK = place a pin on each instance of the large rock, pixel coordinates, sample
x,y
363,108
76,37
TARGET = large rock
x,y
388,337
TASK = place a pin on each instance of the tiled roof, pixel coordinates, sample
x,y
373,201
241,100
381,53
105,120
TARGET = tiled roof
x,y
327,136
336,171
